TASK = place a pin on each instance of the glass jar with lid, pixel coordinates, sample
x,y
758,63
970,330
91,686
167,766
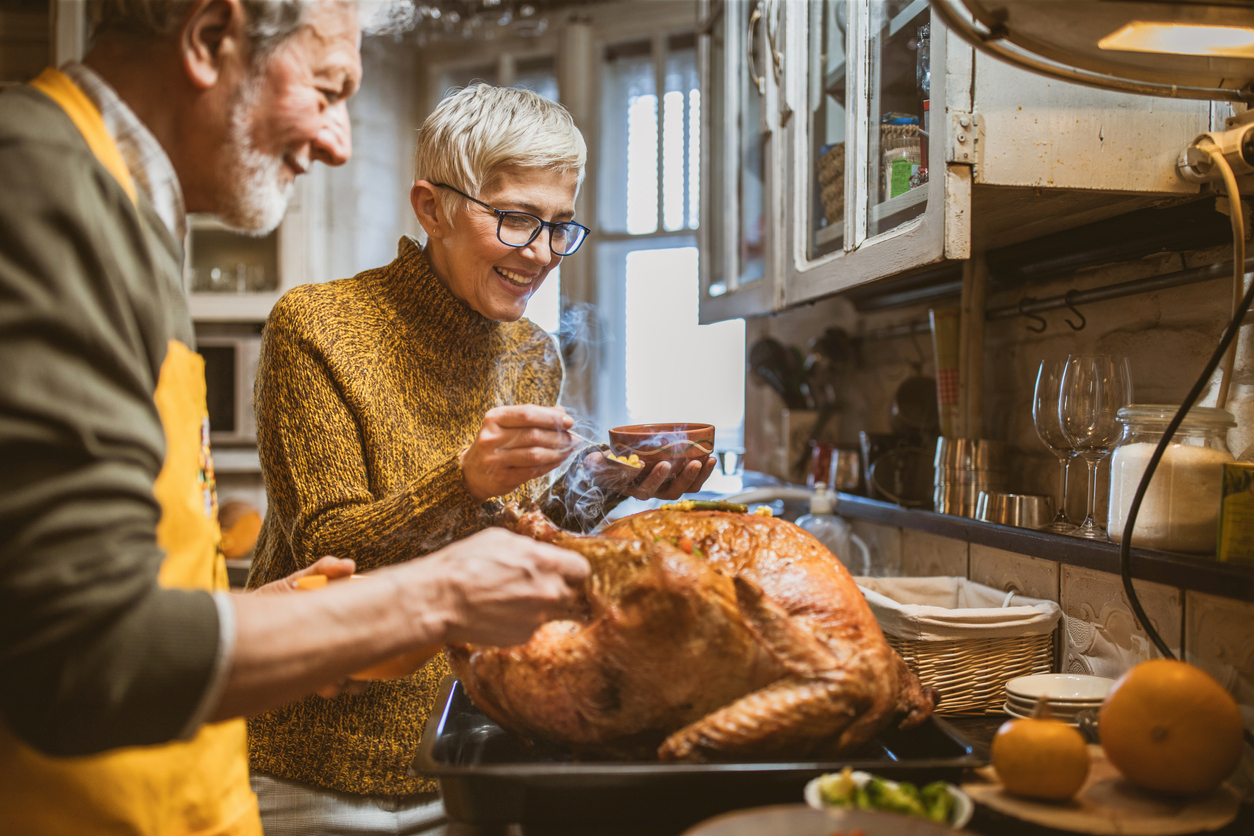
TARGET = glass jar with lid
x,y
1180,511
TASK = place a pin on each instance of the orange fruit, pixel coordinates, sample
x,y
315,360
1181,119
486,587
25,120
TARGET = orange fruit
x,y
1168,726
240,524
1040,758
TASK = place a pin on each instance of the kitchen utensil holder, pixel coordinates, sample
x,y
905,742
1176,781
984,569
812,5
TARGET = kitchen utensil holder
x,y
969,672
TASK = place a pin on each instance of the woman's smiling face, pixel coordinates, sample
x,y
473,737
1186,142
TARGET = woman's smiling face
x,y
495,279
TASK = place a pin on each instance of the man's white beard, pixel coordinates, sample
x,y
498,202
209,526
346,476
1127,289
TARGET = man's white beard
x,y
258,198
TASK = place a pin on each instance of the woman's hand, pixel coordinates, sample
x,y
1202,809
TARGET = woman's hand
x,y
515,445
653,481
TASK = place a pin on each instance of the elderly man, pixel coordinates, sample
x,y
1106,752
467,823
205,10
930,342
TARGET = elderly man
x,y
115,628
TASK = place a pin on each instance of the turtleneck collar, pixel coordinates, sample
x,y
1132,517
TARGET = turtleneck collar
x,y
423,300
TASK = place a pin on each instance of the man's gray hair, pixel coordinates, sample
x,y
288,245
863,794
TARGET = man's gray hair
x,y
270,22
478,131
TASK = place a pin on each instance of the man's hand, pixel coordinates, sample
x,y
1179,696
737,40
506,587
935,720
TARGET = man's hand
x,y
654,481
496,588
332,567
515,445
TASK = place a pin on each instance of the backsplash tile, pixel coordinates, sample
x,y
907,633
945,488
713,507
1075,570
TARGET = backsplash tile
x,y
1005,570
928,555
1219,639
1101,636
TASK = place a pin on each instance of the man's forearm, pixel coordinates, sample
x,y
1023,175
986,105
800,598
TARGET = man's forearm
x,y
492,588
288,645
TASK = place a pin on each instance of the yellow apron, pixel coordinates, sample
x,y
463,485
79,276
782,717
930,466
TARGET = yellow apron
x,y
195,787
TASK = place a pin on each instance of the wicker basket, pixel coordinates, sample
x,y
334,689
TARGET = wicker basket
x,y
831,176
964,639
971,675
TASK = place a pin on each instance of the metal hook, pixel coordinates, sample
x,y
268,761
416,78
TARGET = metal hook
x,y
1071,307
1040,320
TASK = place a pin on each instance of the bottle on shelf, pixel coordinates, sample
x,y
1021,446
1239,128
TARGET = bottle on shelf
x,y
834,531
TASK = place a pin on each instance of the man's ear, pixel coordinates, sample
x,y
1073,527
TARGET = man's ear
x,y
212,34
427,209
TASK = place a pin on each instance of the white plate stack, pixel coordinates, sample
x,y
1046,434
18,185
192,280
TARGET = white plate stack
x,y
1067,694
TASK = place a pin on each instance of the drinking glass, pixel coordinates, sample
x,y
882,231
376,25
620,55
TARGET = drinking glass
x,y
1049,431
1094,388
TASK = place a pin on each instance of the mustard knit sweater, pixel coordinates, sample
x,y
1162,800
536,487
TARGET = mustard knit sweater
x,y
367,391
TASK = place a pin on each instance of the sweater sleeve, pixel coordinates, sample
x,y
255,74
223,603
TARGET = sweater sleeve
x,y
316,474
574,501
94,654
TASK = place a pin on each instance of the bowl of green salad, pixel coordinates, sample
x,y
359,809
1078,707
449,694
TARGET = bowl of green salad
x,y
851,789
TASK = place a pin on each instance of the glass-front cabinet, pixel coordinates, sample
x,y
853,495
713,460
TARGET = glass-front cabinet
x,y
899,81
826,98
849,141
740,232
864,199
235,277
819,128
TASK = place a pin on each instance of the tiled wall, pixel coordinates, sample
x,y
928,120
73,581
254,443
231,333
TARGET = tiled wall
x,y
1167,336
1099,634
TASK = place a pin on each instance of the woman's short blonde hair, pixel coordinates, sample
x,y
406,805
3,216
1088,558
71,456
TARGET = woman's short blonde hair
x,y
478,131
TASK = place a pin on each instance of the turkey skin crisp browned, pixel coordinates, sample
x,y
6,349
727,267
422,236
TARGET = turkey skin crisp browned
x,y
756,644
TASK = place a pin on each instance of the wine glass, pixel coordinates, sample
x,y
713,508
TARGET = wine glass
x,y
1094,388
1049,431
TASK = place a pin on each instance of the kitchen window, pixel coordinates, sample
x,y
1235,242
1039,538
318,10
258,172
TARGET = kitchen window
x,y
659,363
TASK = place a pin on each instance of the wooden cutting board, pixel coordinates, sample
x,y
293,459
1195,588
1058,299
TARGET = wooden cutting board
x,y
1107,805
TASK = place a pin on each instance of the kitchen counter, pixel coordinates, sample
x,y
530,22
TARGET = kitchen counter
x,y
986,822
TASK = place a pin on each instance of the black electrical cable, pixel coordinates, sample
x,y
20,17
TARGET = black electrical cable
x,y
1125,547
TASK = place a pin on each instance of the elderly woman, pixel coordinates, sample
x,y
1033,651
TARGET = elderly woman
x,y
396,409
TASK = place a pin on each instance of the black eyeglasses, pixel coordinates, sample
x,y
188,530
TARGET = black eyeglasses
x,y
518,229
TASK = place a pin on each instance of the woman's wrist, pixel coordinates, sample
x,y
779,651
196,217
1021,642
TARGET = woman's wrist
x,y
467,485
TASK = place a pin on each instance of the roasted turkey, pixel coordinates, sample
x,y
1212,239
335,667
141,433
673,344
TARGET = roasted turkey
x,y
751,640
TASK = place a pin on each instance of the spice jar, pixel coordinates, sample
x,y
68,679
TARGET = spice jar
x,y
1180,511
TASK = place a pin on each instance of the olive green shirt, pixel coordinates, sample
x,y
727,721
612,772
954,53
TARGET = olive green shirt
x,y
94,653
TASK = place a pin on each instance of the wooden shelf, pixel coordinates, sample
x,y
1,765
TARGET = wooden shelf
x,y
834,82
900,203
1229,580
231,307
906,15
236,460
828,234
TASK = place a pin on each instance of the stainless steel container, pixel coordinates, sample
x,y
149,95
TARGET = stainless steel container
x,y
971,454
963,468
1022,510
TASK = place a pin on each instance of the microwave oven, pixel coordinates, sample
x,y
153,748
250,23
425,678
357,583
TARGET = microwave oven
x,y
230,369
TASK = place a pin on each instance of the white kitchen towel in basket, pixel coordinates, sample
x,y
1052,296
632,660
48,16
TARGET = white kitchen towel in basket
x,y
950,609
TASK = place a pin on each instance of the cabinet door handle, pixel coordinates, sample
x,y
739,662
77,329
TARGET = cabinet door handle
x,y
777,59
759,81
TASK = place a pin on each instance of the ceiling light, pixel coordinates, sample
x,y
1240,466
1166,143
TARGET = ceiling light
x,y
1182,39
1196,49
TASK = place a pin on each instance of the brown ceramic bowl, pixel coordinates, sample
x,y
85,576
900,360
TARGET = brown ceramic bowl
x,y
674,443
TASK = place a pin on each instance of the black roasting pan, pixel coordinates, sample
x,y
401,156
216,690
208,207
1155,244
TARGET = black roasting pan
x,y
490,776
